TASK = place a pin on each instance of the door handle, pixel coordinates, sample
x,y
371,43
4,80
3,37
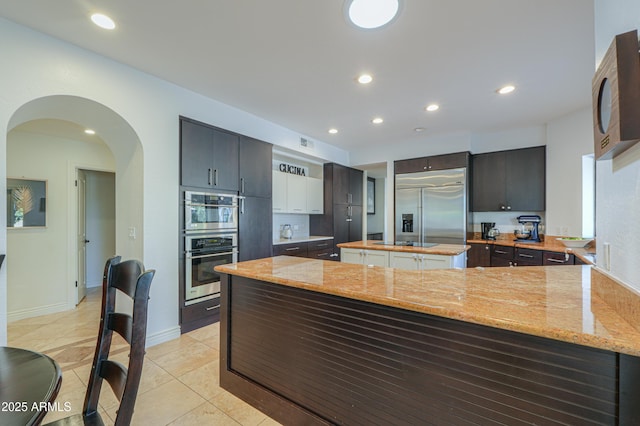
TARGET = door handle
x,y
242,185
210,177
87,241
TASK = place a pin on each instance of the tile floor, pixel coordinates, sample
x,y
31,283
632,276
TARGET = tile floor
x,y
179,384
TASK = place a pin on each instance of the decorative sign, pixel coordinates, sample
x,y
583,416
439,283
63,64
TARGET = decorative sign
x,y
293,169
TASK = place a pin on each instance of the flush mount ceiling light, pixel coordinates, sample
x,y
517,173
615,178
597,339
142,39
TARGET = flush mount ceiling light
x,y
90,132
432,107
369,14
333,131
506,89
103,21
365,79
377,120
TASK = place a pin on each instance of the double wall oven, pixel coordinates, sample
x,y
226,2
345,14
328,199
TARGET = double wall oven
x,y
210,239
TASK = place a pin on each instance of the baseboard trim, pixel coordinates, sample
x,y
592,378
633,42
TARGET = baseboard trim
x,y
162,336
36,312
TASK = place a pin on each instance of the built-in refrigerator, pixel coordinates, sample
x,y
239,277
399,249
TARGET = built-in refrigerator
x,y
431,207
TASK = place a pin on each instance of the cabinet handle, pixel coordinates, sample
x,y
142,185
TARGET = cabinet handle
x,y
502,207
528,256
242,185
333,255
322,254
211,308
501,252
242,205
293,248
322,245
556,260
215,177
508,207
210,177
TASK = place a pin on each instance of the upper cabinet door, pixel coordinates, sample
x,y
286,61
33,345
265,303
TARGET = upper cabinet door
x,y
225,161
255,168
489,182
526,169
196,155
355,186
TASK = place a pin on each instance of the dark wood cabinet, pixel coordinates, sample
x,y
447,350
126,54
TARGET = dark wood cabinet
x,y
299,249
255,168
527,257
511,180
550,258
342,219
199,314
501,255
479,255
255,228
208,156
435,162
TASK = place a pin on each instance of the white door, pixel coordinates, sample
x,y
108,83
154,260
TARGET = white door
x,y
82,237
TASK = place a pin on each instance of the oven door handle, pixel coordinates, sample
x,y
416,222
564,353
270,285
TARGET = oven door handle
x,y
190,256
234,205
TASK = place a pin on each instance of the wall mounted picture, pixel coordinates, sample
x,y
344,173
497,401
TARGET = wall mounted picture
x,y
26,203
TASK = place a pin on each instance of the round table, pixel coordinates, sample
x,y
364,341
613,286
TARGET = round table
x,y
29,383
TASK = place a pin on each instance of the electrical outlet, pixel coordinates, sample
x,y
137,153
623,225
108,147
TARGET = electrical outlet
x,y
132,232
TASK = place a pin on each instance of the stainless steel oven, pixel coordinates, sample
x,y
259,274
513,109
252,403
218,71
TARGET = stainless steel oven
x,y
205,211
203,253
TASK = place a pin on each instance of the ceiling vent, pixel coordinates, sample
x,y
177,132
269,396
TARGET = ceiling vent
x,y
306,143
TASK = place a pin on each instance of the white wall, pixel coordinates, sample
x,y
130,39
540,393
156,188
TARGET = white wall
x,y
618,180
37,273
568,139
100,223
42,66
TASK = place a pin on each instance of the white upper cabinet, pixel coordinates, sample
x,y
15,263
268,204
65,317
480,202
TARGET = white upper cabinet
x,y
315,196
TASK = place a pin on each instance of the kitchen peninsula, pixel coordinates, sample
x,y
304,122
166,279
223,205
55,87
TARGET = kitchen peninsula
x,y
317,342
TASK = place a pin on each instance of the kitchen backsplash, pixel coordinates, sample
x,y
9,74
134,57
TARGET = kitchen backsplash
x,y
299,224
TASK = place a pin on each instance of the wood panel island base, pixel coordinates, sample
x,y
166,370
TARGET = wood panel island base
x,y
316,342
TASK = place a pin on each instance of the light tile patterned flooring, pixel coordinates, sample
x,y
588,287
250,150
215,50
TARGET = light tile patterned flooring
x,y
179,384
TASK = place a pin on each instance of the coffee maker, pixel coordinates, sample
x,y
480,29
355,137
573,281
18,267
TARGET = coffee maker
x,y
531,234
486,227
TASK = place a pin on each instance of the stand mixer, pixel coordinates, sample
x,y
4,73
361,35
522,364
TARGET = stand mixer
x,y
528,235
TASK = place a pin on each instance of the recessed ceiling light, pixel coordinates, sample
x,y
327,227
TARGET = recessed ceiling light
x,y
369,14
90,132
365,79
103,21
432,107
333,131
377,120
506,89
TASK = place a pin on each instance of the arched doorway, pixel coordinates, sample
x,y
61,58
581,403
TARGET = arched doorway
x,y
126,149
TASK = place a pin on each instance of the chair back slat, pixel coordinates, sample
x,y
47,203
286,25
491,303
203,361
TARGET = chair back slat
x,y
126,275
122,324
115,374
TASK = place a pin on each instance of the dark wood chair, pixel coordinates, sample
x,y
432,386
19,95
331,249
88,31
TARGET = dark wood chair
x,y
131,279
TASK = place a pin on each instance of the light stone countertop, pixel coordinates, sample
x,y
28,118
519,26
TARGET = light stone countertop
x,y
441,249
556,302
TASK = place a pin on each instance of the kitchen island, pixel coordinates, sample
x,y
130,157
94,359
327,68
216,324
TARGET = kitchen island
x,y
404,256
317,342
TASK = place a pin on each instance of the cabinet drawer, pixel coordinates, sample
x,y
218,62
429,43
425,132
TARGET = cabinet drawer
x,y
322,254
554,258
198,311
502,252
528,256
294,249
320,245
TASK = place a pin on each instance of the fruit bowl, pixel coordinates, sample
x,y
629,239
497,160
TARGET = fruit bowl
x,y
575,242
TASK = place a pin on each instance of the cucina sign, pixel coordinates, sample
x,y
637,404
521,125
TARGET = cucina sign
x,y
292,169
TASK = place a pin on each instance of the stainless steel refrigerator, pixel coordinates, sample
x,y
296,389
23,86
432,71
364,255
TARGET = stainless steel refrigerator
x,y
431,207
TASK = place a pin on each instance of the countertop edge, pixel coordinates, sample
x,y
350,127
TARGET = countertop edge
x,y
440,249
